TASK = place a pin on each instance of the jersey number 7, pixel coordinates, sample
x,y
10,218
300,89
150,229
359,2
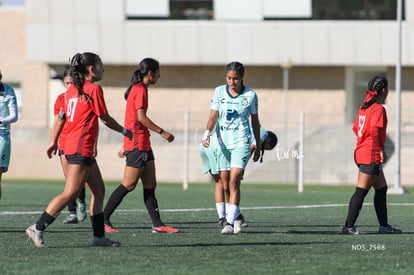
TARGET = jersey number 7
x,y
361,124
72,108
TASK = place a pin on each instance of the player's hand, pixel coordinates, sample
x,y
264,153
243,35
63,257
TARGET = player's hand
x,y
51,150
121,152
383,156
128,134
206,139
256,155
168,136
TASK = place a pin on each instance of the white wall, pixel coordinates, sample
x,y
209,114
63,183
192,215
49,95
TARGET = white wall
x,y
57,29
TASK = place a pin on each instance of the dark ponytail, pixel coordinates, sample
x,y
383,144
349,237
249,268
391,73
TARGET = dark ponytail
x,y
376,86
79,64
146,65
269,143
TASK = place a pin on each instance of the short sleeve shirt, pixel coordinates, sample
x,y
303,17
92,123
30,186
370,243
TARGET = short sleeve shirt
x,y
263,136
137,99
233,128
82,113
370,120
8,101
58,107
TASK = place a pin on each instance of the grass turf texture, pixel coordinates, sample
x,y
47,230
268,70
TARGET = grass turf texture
x,y
288,233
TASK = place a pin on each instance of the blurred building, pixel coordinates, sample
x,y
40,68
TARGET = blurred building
x,y
311,56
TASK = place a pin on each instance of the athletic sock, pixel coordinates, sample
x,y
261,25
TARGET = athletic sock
x,y
44,221
232,212
72,207
152,207
380,204
221,209
114,200
98,225
81,197
355,205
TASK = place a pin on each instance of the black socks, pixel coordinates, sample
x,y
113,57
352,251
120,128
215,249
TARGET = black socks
x,y
98,225
81,197
380,204
44,221
114,200
152,207
355,205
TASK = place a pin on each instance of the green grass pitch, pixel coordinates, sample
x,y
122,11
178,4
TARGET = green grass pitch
x,y
287,233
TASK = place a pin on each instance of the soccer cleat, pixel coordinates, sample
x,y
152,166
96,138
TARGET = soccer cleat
x,y
350,230
240,217
103,241
71,219
81,211
164,229
227,229
389,230
237,226
221,222
110,229
36,236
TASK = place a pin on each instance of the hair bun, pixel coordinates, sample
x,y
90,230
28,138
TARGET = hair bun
x,y
75,61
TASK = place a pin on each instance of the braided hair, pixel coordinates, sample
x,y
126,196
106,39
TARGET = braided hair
x,y
79,68
376,86
146,65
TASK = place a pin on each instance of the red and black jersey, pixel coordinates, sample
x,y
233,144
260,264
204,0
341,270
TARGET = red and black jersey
x,y
59,105
137,99
82,114
370,127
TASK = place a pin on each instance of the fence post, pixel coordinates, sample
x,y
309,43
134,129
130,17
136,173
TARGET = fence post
x,y
186,148
300,153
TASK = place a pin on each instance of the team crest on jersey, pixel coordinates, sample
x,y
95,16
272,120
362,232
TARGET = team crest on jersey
x,y
145,156
245,101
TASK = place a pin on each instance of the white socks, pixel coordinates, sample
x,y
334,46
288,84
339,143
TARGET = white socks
x,y
221,209
233,212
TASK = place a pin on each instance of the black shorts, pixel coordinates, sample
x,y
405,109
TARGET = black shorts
x,y
138,159
60,152
370,169
80,160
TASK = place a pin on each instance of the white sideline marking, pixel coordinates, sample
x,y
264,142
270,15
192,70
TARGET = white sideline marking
x,y
3,213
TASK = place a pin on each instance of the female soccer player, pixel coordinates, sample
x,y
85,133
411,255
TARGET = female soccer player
x,y
140,162
231,107
84,104
209,163
73,217
370,127
8,115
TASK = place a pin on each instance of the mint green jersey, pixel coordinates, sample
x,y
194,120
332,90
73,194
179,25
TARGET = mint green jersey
x,y
8,107
233,127
263,136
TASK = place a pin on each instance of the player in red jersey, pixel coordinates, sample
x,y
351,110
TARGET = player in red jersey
x,y
84,104
80,215
139,156
370,127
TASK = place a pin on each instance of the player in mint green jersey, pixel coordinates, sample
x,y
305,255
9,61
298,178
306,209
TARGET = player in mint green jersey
x,y
8,115
232,106
208,156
